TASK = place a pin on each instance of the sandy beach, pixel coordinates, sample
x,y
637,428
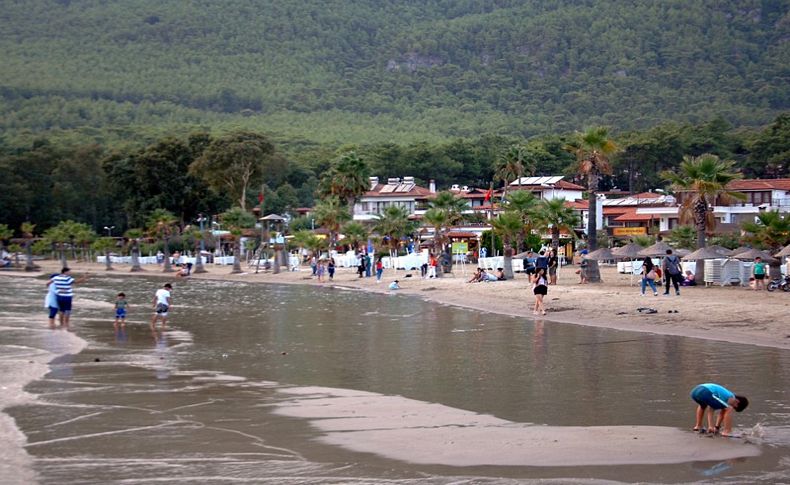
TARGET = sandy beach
x,y
731,314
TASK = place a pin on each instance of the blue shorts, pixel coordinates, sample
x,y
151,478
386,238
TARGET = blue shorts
x,y
64,304
702,396
120,313
53,311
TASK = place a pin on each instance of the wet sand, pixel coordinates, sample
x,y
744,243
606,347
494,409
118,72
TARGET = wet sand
x,y
428,433
731,314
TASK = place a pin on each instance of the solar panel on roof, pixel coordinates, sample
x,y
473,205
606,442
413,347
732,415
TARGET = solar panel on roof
x,y
388,188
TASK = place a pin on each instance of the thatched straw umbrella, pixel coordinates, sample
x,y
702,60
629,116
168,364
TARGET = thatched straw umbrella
x,y
629,251
721,250
703,253
682,252
752,254
658,249
602,254
784,252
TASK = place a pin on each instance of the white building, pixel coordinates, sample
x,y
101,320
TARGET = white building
x,y
396,192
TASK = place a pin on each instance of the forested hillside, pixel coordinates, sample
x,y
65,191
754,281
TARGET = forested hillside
x,y
364,71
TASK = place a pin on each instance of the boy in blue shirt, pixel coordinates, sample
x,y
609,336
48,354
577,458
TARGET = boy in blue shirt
x,y
717,398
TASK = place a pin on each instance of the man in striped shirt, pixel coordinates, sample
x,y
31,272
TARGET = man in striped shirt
x,y
64,293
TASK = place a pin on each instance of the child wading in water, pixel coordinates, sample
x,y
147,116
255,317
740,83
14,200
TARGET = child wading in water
x,y
120,309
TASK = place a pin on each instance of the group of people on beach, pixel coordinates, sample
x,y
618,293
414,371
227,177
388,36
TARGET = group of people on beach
x,y
670,270
60,293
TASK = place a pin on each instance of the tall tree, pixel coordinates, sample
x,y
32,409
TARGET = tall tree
x,y
510,166
593,149
553,216
444,210
236,220
771,230
331,214
392,225
234,162
134,236
701,182
507,225
29,232
347,179
523,203
162,225
355,234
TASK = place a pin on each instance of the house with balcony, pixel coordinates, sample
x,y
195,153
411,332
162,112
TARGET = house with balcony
x,y
759,195
401,192
621,216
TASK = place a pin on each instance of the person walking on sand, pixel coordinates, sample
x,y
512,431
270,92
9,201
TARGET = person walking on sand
x,y
321,270
673,272
717,398
64,293
554,263
120,309
540,289
759,272
163,302
330,267
432,264
649,276
379,269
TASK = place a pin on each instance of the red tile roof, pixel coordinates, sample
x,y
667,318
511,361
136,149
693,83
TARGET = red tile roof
x,y
631,216
760,184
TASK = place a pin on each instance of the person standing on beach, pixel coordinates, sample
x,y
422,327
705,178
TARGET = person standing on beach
x,y
540,289
313,265
717,398
432,264
673,272
649,276
331,269
51,302
542,262
320,270
64,293
163,301
554,262
379,269
759,273
367,265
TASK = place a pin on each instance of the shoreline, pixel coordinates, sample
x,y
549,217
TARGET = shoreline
x,y
729,314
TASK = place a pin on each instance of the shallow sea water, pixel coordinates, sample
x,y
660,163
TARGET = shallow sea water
x,y
202,401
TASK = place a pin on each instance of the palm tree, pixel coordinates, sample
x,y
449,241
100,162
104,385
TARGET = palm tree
x,y
683,237
508,225
308,240
593,149
236,220
347,180
196,235
134,236
355,233
439,219
524,204
445,210
701,181
553,216
161,225
28,232
331,214
392,225
104,245
510,166
771,230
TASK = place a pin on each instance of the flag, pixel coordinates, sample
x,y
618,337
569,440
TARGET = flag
x,y
260,197
489,194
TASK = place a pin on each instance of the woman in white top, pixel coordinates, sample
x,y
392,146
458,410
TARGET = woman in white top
x,y
540,289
